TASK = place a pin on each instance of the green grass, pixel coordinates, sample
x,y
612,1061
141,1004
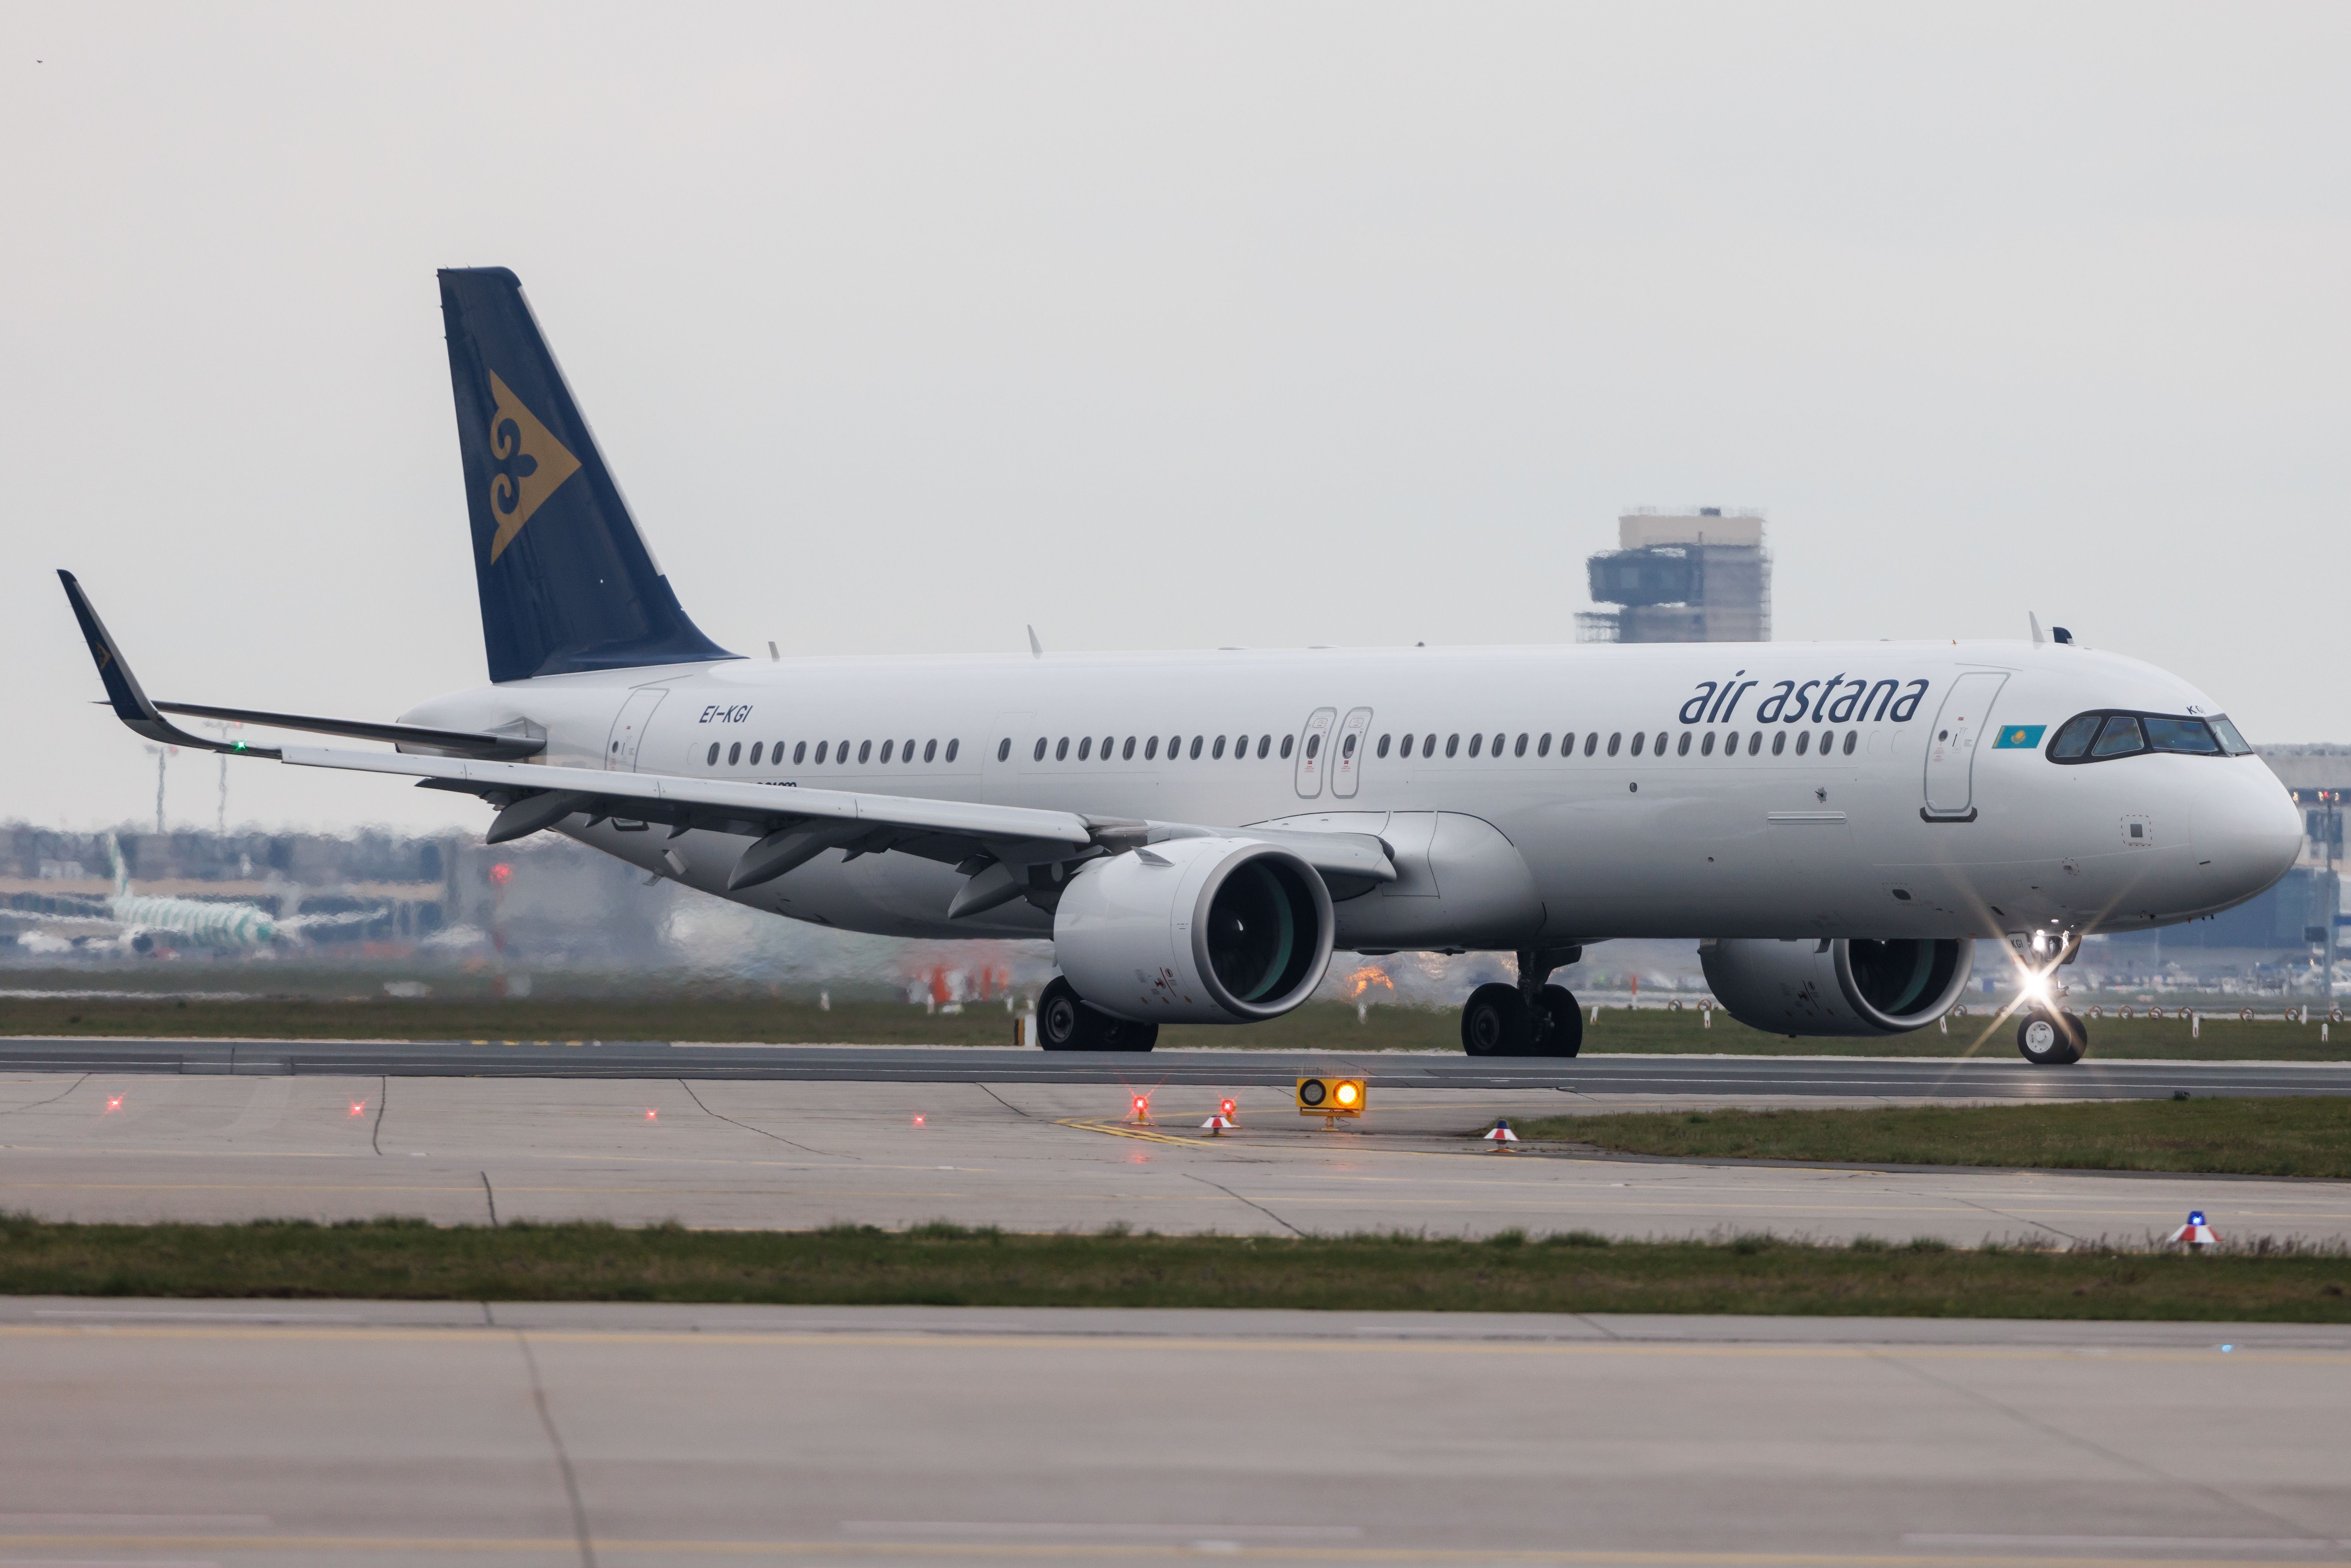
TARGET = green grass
x,y
1326,1026
2304,1136
945,1265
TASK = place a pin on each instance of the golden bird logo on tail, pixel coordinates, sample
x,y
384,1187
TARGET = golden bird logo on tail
x,y
531,465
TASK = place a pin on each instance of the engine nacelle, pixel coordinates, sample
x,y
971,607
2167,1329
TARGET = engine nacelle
x,y
1195,931
1811,987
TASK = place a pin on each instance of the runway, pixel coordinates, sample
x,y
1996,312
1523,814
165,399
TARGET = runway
x,y
2004,1076
1025,1156
235,1434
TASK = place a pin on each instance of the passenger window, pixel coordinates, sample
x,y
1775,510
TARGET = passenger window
x,y
1346,747
1780,743
1520,748
1404,747
1126,752
1285,747
1216,752
930,749
1061,749
1477,744
1175,746
1683,748
1705,747
887,747
756,749
2181,735
1804,743
1543,746
1151,748
819,748
1452,744
841,754
1640,739
1195,748
1592,741
1039,755
734,754
864,751
1003,750
1086,747
1615,740
1851,738
2119,738
2075,738
954,746
1384,744
1264,741
800,754
1497,744
1108,741
712,760
1828,738
906,752
1754,743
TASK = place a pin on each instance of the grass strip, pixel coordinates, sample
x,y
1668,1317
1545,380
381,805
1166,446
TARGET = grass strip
x,y
950,1266
1317,1026
2301,1136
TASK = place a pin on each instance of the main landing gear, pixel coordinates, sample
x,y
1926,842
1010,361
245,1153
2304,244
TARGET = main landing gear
x,y
2052,1037
1064,1022
1530,1018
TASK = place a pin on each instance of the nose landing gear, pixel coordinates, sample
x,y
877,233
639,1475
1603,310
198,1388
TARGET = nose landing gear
x,y
2052,1037
1530,1018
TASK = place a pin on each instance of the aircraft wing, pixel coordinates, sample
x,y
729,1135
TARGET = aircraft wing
x,y
994,846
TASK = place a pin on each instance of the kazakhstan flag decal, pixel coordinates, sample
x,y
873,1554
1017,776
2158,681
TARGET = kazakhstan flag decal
x,y
2019,738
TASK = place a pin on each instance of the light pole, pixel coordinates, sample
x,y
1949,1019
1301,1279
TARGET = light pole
x,y
161,755
227,732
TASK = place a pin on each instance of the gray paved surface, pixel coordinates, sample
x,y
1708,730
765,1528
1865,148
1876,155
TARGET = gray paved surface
x,y
1028,1156
2001,1075
244,1433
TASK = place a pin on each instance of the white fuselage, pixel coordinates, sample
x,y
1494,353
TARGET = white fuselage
x,y
1513,849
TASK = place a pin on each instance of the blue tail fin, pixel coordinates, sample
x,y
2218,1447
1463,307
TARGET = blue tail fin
x,y
566,581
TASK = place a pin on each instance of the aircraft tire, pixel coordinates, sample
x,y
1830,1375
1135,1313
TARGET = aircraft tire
x,y
1494,1021
1064,1022
1562,1017
2051,1038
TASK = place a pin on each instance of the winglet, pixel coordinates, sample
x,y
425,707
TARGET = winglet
x,y
122,691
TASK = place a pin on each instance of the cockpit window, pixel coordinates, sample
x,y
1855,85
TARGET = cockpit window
x,y
2134,734
2074,740
2181,735
2120,738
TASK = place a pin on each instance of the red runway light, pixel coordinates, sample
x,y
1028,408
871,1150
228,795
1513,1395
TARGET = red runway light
x,y
1141,1102
918,1121
114,1101
651,1115
1226,1107
358,1106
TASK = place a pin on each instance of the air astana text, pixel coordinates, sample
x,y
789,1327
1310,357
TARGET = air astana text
x,y
1835,700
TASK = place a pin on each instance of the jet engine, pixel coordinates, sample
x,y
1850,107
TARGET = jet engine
x,y
1839,986
1195,931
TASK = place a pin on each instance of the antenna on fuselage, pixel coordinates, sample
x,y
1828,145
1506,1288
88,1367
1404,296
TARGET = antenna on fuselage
x,y
2037,638
1036,649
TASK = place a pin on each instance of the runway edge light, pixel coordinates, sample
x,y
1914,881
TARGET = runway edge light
x,y
1501,1137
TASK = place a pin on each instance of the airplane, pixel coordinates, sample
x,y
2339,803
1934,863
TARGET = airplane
x,y
143,923
1198,832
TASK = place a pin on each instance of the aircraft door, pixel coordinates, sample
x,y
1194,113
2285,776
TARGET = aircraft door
x,y
1311,744
1347,760
629,729
1952,745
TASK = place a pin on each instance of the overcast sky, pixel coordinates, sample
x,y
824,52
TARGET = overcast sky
x,y
1164,325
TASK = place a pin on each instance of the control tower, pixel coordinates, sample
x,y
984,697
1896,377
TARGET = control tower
x,y
1701,576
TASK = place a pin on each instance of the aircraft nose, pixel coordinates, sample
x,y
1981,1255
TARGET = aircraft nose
x,y
2256,834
